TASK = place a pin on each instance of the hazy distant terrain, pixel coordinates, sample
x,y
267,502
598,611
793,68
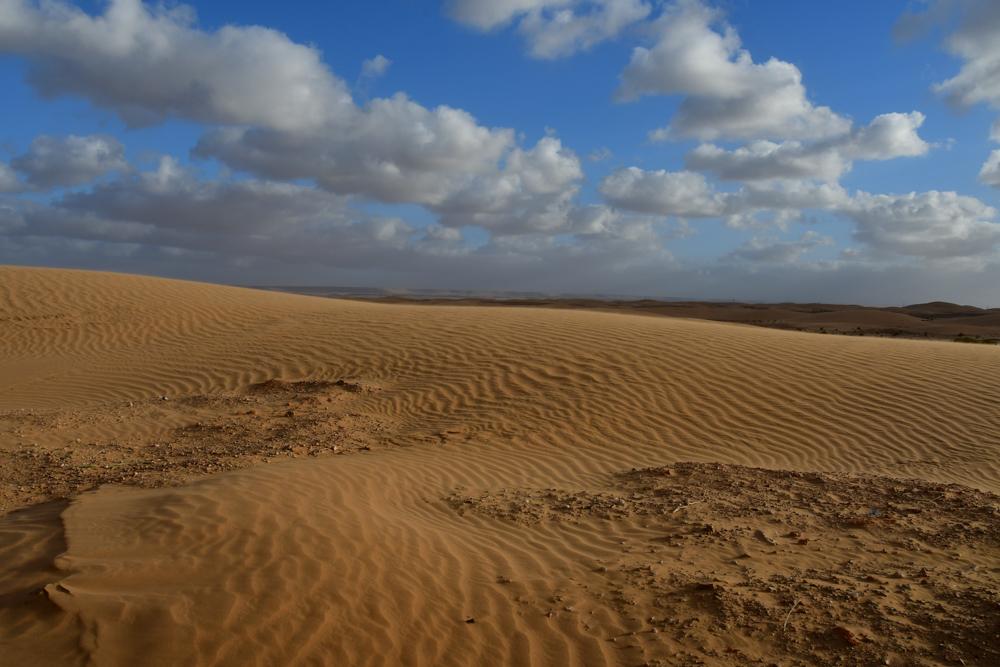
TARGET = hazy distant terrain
x,y
937,319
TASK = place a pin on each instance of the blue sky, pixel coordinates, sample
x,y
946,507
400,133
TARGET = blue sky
x,y
763,151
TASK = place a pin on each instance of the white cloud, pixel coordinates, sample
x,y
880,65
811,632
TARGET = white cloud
x,y
794,194
767,160
401,152
888,136
689,194
776,205
10,184
929,224
171,209
933,225
29,218
602,223
283,115
936,225
151,64
728,96
990,173
531,193
770,249
506,214
172,198
974,40
760,220
490,14
394,150
280,115
548,168
685,193
611,255
375,67
168,217
565,32
71,160
553,28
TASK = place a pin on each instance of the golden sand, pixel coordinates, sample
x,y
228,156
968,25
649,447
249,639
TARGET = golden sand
x,y
467,495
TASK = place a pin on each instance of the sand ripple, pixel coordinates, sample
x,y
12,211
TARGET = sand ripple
x,y
360,559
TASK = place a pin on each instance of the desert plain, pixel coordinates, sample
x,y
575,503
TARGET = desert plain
x,y
193,474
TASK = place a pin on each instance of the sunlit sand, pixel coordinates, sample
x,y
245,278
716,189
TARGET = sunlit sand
x,y
201,475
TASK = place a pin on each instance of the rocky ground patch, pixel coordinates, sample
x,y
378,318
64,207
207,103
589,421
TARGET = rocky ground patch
x,y
744,565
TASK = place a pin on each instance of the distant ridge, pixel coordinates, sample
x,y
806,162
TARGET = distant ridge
x,y
376,292
937,319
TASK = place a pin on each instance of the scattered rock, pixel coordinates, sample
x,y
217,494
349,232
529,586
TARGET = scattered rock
x,y
786,598
846,635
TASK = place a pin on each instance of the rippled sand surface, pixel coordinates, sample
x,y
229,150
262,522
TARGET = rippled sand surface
x,y
365,559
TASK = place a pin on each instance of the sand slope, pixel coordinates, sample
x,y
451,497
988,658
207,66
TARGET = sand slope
x,y
363,558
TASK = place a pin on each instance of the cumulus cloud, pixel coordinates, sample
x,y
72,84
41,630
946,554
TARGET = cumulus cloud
x,y
598,221
401,152
554,28
532,195
395,150
687,194
170,217
375,67
989,174
937,225
760,220
149,64
30,218
489,14
932,224
727,95
770,249
776,205
10,184
171,197
974,40
548,168
510,212
370,70
280,116
171,208
69,161
548,173
888,136
280,113
603,223
767,160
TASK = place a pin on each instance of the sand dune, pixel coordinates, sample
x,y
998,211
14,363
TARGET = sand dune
x,y
391,549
